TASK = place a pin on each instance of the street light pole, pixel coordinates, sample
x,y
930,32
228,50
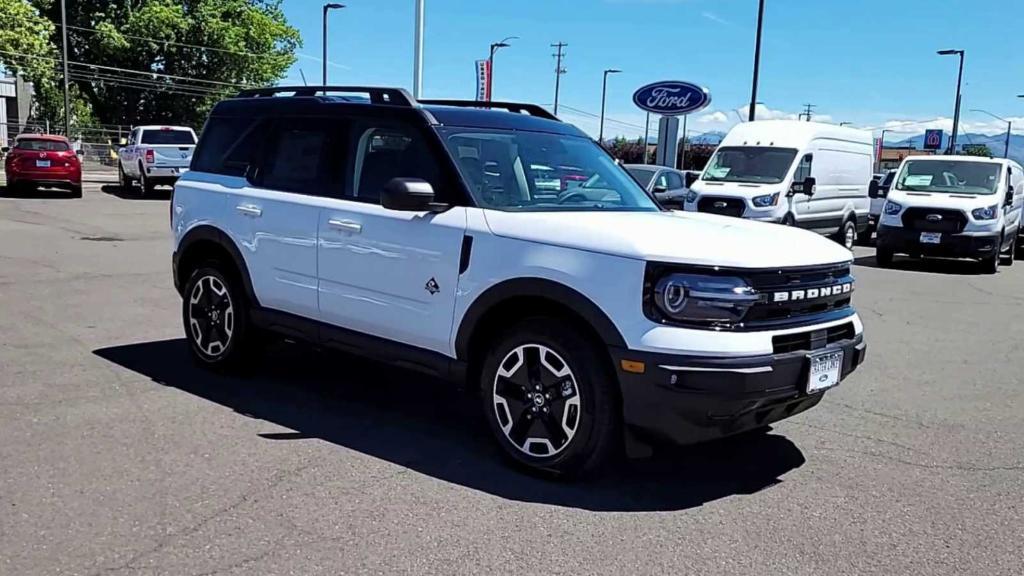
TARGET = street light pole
x,y
327,7
881,148
1009,127
604,94
959,83
64,45
417,58
757,61
490,64
647,134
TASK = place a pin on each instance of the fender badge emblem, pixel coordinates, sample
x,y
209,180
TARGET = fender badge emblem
x,y
432,286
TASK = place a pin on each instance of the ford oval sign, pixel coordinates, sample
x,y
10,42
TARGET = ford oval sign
x,y
671,98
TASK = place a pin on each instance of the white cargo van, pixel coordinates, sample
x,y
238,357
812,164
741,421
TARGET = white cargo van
x,y
954,206
804,174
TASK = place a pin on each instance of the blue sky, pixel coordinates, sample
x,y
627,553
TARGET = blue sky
x,y
869,62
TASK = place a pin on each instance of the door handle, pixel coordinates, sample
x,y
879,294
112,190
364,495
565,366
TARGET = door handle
x,y
250,210
346,225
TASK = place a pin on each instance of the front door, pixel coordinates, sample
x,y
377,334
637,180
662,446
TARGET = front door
x,y
389,273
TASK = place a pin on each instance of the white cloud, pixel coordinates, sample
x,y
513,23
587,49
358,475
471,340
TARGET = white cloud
x,y
715,18
987,127
714,117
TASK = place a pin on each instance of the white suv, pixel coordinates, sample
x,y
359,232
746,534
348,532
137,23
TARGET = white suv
x,y
415,233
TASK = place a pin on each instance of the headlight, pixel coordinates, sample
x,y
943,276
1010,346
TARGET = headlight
x,y
892,208
766,200
691,196
715,301
988,213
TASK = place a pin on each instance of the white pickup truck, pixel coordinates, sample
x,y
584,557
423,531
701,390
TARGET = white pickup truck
x,y
155,155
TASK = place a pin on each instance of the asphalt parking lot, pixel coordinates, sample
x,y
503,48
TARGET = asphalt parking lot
x,y
117,456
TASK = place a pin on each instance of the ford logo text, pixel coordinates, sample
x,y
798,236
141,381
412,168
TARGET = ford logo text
x,y
671,98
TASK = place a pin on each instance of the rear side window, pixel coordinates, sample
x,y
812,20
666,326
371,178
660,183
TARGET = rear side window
x,y
228,146
296,156
168,136
42,145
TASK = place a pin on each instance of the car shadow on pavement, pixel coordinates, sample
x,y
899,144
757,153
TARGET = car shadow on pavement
x,y
432,428
116,190
931,265
36,194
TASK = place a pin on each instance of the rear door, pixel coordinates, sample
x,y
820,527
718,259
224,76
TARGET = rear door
x,y
390,273
172,146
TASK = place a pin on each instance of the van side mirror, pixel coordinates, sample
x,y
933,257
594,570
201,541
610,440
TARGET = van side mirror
x,y
5,149
874,190
409,195
805,187
1009,196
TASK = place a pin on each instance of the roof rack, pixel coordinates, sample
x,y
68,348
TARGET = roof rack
x,y
393,96
515,107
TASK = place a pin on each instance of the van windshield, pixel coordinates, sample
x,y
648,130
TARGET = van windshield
x,y
949,176
750,164
510,170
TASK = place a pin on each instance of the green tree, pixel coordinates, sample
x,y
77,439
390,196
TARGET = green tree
x,y
977,150
169,61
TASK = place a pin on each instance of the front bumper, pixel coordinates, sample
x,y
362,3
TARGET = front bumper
x,y
906,241
687,399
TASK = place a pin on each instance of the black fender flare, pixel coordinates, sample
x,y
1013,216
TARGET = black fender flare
x,y
540,288
208,233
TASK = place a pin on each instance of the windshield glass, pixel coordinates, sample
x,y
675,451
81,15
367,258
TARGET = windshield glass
x,y
642,175
171,137
508,170
755,165
949,176
42,145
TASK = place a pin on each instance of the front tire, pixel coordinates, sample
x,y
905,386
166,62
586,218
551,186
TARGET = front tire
x,y
1011,255
124,182
548,396
215,317
990,265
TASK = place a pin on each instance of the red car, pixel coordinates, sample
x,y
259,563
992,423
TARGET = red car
x,y
43,160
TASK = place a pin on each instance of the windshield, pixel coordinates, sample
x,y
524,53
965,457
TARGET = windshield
x,y
169,137
42,145
755,165
642,175
949,176
508,170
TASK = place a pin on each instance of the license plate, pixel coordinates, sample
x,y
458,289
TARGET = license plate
x,y
42,163
931,238
825,371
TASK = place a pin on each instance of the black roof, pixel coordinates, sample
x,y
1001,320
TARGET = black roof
x,y
383,102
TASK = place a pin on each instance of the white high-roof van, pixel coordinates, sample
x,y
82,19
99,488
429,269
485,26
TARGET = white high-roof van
x,y
805,174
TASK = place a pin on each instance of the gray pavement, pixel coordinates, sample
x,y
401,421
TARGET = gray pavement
x,y
117,456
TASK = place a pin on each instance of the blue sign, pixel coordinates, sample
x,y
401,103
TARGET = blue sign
x,y
671,98
932,139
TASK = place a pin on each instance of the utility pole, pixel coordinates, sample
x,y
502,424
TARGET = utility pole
x,y
959,83
417,58
64,44
757,61
558,70
807,111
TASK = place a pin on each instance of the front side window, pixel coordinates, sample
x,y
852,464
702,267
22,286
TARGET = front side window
x,y
42,145
497,167
803,170
387,152
949,176
168,136
674,181
749,164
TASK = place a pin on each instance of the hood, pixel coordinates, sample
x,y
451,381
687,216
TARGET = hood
x,y
965,202
677,237
742,189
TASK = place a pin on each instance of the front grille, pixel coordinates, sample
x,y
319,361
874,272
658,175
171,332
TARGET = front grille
x,y
934,220
807,284
723,206
812,340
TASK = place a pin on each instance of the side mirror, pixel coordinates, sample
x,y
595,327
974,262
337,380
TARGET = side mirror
x,y
1009,196
5,149
805,187
660,189
874,190
80,152
409,195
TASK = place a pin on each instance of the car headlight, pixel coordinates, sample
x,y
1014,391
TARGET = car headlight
x,y
766,200
691,196
892,208
987,213
715,301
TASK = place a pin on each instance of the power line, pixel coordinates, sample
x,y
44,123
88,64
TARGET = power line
x,y
606,119
173,43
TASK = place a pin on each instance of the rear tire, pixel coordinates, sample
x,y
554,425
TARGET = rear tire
x,y
865,238
76,191
847,234
883,257
215,315
145,188
549,399
124,182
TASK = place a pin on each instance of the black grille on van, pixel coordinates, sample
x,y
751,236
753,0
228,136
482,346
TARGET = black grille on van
x,y
934,220
723,206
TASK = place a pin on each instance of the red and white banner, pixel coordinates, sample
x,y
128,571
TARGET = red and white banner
x,y
483,80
